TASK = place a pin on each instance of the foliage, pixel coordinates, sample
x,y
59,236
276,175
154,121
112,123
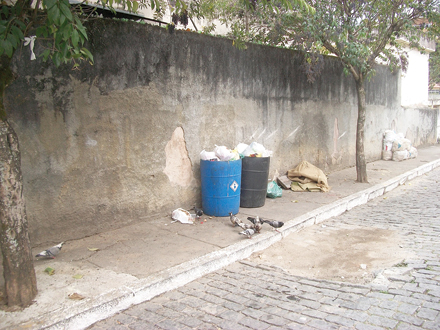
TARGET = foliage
x,y
56,22
239,15
359,32
58,26
434,68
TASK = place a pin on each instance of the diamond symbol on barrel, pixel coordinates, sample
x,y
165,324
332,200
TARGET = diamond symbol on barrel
x,y
234,186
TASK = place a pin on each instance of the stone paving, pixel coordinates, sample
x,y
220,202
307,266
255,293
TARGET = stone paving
x,y
250,296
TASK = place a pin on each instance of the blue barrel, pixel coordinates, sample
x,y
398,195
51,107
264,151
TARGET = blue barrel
x,y
221,183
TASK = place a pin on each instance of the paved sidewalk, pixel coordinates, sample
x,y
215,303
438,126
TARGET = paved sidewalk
x,y
258,295
138,262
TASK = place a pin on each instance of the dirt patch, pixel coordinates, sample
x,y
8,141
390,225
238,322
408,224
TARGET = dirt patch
x,y
354,255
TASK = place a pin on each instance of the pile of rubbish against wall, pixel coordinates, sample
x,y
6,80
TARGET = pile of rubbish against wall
x,y
396,147
234,178
223,153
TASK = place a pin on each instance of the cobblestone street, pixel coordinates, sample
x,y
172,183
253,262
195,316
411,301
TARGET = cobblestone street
x,y
253,296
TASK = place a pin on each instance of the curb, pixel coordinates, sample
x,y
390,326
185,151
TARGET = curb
x,y
87,313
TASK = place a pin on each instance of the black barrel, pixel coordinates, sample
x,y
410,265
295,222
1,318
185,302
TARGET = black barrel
x,y
254,176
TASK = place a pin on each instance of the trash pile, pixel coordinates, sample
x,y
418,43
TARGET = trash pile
x,y
220,153
396,147
224,154
252,150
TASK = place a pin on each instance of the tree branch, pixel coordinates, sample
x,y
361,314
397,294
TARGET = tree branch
x,y
334,50
396,27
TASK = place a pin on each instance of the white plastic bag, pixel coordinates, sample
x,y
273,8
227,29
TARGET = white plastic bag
x,y
241,147
390,136
253,149
248,151
208,155
236,155
182,215
401,144
258,148
223,153
413,153
400,155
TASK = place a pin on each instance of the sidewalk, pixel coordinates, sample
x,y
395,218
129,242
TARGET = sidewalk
x,y
138,262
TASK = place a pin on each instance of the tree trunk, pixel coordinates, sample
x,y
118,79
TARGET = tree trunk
x,y
361,165
18,267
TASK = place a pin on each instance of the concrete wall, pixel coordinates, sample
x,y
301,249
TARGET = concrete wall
x,y
119,141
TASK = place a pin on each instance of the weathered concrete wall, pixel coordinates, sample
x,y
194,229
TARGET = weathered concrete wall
x,y
119,141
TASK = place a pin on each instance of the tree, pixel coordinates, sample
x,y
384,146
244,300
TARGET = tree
x,y
434,68
432,27
360,33
58,27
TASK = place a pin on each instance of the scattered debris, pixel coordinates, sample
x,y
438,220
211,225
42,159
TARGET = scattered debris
x,y
401,264
50,271
75,296
78,276
273,190
284,182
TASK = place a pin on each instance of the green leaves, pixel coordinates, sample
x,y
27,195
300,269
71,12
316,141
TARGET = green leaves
x,y
6,47
87,54
11,29
75,38
58,11
65,10
61,24
68,33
